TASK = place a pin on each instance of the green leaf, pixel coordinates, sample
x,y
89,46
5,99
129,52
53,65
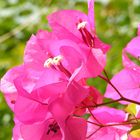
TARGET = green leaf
x,y
135,131
131,109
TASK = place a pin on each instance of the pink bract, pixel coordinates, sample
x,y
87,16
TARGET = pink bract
x,y
73,129
106,116
128,85
127,81
85,35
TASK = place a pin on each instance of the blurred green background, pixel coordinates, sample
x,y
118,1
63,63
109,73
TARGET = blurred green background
x,y
116,23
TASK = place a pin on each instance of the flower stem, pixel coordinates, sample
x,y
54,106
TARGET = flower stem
x,y
121,96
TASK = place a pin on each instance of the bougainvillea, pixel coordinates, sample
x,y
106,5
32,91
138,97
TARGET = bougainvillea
x,y
49,95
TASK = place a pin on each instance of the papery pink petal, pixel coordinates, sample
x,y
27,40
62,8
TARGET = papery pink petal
x,y
111,115
107,115
63,106
60,109
7,84
43,35
93,66
29,111
44,84
49,86
73,59
127,82
49,92
39,132
32,54
76,93
59,19
49,76
69,28
38,46
133,47
70,51
34,131
99,56
63,33
104,134
75,129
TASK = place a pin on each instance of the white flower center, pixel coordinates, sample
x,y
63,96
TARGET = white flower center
x,y
81,25
57,60
53,61
48,63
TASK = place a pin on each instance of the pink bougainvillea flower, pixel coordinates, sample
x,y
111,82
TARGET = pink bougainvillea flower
x,y
42,79
29,111
73,128
107,116
44,52
31,80
45,96
34,113
46,48
79,25
27,93
80,28
64,55
127,81
48,129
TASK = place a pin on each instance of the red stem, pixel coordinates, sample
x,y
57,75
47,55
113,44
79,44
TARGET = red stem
x,y
121,96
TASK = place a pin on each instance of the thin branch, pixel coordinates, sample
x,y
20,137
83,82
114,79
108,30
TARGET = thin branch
x,y
109,82
93,132
102,104
93,115
122,97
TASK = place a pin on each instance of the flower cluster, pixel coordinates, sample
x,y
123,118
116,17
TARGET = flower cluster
x,y
49,95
